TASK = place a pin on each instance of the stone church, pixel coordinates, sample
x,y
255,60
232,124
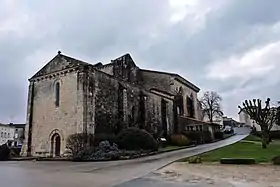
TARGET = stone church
x,y
69,96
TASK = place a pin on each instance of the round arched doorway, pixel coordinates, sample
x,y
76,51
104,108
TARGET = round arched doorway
x,y
55,145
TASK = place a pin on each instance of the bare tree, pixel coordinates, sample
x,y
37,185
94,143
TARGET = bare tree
x,y
265,116
211,105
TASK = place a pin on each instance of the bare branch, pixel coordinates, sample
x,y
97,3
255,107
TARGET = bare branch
x,y
210,103
265,116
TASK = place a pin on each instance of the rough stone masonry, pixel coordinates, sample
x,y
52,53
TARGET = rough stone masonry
x,y
70,96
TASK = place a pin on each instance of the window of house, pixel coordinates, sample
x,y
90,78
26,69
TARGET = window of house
x,y
190,106
8,135
1,134
5,135
57,94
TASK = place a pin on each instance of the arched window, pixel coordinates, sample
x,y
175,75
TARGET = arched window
x,y
190,106
179,101
57,94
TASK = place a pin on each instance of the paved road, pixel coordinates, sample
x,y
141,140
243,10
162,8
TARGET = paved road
x,y
97,174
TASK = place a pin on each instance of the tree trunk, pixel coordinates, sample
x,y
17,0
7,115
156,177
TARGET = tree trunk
x,y
264,143
265,140
268,139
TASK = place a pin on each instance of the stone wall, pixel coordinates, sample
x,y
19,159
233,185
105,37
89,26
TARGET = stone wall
x,y
102,100
106,103
118,105
107,68
160,81
48,119
167,83
187,92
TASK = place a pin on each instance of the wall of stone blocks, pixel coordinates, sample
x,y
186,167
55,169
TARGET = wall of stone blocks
x,y
65,119
106,106
106,103
187,92
167,83
156,80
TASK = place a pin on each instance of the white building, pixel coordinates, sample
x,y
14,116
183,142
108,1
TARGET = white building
x,y
245,118
19,134
6,133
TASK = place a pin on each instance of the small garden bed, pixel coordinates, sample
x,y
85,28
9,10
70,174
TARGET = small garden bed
x,y
134,143
125,155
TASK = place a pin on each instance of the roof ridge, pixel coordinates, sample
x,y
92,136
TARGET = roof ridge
x,y
176,76
74,59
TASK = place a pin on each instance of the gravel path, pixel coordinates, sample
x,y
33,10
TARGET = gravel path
x,y
220,175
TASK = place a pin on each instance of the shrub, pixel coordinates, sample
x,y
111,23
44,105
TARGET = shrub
x,y
104,151
4,152
77,142
207,138
219,135
195,160
15,151
194,136
111,138
274,135
237,161
276,160
179,140
135,139
199,137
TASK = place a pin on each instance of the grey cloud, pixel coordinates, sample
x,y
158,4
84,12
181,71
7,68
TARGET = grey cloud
x,y
102,30
230,30
235,28
95,29
99,28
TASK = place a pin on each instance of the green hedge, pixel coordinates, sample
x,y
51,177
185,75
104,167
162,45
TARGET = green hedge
x,y
206,136
111,138
78,141
194,136
276,160
4,152
199,137
179,140
136,139
275,135
237,161
219,135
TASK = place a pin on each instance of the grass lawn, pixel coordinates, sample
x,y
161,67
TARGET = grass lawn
x,y
243,150
253,138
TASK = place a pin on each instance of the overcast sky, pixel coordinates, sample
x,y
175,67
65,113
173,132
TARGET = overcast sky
x,y
230,46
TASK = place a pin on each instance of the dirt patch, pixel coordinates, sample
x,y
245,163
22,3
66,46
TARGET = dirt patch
x,y
214,174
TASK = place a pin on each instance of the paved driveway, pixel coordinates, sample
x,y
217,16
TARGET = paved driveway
x,y
97,174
